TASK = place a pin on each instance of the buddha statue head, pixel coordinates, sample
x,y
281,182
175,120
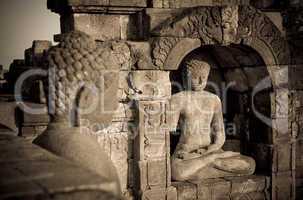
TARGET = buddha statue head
x,y
195,72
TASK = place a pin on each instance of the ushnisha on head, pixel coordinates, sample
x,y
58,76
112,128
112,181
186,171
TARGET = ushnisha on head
x,y
195,72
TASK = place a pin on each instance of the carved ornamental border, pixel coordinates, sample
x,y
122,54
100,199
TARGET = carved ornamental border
x,y
219,25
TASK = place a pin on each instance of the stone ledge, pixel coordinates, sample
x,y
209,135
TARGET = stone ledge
x,y
29,172
224,188
195,3
87,6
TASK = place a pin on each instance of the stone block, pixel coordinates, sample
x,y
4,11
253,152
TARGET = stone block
x,y
299,158
281,130
150,84
38,49
283,157
30,172
214,189
248,184
251,196
283,185
8,115
85,2
231,187
280,103
279,75
158,16
185,190
102,27
118,147
129,3
31,132
58,5
159,194
195,3
156,171
28,57
296,73
35,119
171,193
142,55
125,112
157,3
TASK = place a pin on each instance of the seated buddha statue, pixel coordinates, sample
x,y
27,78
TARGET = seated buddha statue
x,y
199,153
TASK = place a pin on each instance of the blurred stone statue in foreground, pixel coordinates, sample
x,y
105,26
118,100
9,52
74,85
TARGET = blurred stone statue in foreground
x,y
198,154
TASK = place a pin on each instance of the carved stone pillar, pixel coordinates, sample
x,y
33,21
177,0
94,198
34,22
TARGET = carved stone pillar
x,y
152,143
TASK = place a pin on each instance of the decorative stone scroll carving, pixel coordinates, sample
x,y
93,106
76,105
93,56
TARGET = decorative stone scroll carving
x,y
200,22
221,25
230,23
253,24
161,49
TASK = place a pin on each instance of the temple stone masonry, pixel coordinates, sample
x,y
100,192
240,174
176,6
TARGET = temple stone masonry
x,y
106,95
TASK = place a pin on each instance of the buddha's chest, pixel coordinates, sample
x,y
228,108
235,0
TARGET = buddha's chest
x,y
198,112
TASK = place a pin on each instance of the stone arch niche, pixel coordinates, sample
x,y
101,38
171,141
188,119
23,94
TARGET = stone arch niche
x,y
235,71
181,34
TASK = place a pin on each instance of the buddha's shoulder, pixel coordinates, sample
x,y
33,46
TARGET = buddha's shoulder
x,y
180,94
211,96
185,94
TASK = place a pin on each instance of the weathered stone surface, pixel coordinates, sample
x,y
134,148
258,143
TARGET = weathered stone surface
x,y
34,173
31,132
214,189
252,196
185,190
157,173
195,3
141,55
103,27
7,115
299,159
39,49
241,185
151,157
283,158
236,188
283,185
150,84
58,6
80,148
118,147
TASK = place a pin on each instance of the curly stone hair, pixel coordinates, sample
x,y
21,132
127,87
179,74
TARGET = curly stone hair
x,y
197,64
76,60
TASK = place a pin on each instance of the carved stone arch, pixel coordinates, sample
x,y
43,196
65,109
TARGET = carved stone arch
x,y
205,25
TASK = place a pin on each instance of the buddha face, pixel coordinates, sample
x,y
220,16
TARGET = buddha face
x,y
195,75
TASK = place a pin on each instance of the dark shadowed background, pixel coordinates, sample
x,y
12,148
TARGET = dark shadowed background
x,y
21,22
